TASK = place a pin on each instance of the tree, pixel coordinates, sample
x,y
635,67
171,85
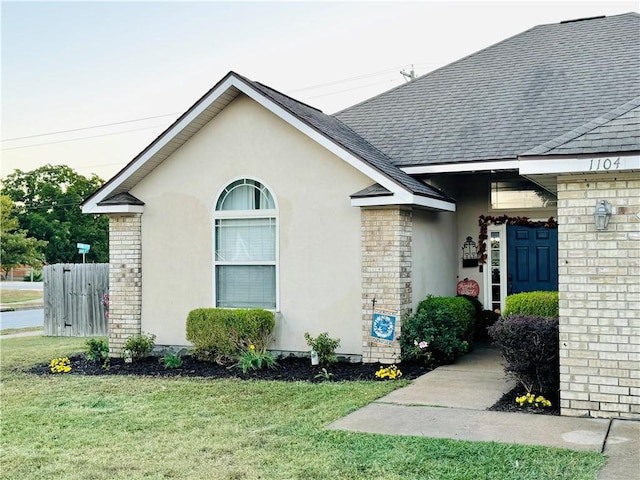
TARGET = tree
x,y
15,247
48,201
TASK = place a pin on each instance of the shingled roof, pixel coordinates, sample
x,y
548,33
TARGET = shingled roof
x,y
615,131
347,138
508,98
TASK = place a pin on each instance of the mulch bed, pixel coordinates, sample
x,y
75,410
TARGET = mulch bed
x,y
289,369
508,404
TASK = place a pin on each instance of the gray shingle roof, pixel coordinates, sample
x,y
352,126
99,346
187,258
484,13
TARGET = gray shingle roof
x,y
124,198
340,133
615,131
507,98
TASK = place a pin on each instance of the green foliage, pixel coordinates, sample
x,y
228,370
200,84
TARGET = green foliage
x,y
530,347
222,335
445,323
253,360
97,351
543,304
324,346
35,277
324,375
16,248
139,346
172,360
48,206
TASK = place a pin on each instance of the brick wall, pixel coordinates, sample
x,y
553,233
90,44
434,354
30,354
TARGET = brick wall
x,y
386,273
599,284
125,280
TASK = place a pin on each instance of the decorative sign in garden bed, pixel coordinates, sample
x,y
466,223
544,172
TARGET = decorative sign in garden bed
x,y
468,287
383,327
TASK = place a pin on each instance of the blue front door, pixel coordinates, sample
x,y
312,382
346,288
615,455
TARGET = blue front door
x,y
532,259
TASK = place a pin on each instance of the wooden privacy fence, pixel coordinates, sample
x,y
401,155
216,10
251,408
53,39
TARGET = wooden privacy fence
x,y
73,299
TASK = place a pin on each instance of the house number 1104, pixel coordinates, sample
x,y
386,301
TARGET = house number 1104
x,y
604,164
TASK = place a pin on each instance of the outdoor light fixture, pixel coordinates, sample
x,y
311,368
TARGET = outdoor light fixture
x,y
469,254
602,214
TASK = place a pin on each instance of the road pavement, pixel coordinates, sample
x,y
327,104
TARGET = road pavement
x,y
22,318
21,286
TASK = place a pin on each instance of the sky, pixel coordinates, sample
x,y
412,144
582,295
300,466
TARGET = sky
x,y
90,84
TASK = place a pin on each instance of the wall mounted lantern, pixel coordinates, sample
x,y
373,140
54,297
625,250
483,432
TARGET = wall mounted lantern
x,y
469,254
602,214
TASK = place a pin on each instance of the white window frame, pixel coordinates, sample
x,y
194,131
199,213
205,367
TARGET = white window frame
x,y
240,214
502,230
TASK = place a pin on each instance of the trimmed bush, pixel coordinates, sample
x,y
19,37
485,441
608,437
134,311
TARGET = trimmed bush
x,y
222,335
445,323
544,304
530,347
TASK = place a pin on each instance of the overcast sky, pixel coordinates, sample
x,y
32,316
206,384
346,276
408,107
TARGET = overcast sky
x,y
75,65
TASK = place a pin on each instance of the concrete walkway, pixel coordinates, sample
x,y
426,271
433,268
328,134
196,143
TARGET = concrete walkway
x,y
452,401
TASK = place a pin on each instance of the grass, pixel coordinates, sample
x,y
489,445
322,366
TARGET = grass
x,y
19,296
74,427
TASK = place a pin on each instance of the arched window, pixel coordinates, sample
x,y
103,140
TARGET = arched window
x,y
245,231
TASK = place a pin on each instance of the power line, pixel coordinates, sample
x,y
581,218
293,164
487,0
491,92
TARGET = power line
x,y
88,128
84,138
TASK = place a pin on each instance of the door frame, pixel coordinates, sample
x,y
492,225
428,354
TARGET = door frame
x,y
502,230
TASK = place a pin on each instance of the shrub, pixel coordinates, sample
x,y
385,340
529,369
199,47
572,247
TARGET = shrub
x,y
139,346
97,351
477,305
530,347
222,335
460,309
324,346
445,323
543,304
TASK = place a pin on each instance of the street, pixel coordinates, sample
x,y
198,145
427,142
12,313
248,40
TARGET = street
x,y
22,318
21,285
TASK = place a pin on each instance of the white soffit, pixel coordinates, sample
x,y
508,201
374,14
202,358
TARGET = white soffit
x,y
414,200
462,167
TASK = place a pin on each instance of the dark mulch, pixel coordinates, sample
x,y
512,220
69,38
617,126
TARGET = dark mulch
x,y
288,369
508,403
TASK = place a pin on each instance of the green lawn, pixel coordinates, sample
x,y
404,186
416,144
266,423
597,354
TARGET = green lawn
x,y
72,427
19,296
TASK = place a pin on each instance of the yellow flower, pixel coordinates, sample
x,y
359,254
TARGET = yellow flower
x,y
252,347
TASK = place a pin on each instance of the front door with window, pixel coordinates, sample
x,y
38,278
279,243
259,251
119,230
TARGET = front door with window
x,y
532,259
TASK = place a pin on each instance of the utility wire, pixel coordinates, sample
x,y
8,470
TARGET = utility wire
x,y
88,128
84,138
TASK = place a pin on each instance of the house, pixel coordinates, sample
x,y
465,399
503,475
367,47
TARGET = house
x,y
254,199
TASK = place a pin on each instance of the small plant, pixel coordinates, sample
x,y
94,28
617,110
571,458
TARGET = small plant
x,y
530,400
60,365
172,360
139,346
252,359
324,375
324,346
391,372
97,351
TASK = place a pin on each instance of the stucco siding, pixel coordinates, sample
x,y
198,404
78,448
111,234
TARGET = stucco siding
x,y
434,254
319,231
